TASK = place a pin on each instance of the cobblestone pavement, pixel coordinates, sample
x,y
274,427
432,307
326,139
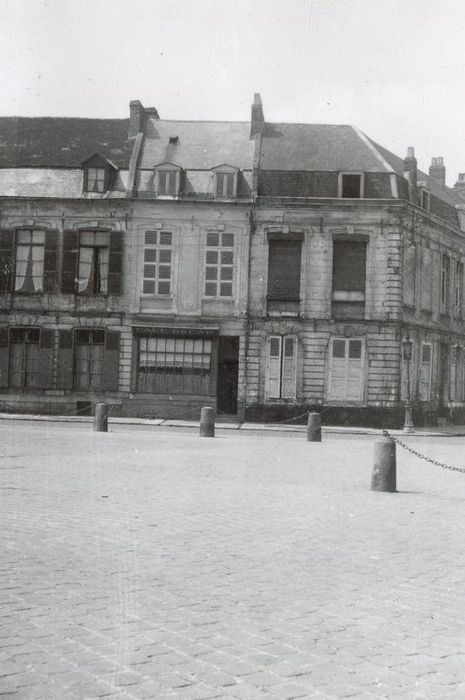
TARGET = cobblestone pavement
x,y
156,564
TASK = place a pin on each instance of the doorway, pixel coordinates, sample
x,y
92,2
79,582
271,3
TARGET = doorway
x,y
228,369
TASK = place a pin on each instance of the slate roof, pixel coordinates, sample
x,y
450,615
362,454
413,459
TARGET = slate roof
x,y
200,146
316,147
62,141
447,194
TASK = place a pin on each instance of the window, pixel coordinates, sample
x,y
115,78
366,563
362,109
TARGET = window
x,y
281,369
29,268
168,182
226,184
174,365
24,357
349,271
425,372
351,185
425,200
219,264
445,282
457,374
93,262
157,263
458,288
89,352
284,259
96,179
346,370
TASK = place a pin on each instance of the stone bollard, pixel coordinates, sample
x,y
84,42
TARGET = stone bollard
x,y
101,417
314,427
384,466
207,422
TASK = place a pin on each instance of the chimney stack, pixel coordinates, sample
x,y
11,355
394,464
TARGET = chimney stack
x,y
137,114
257,120
410,172
459,186
437,171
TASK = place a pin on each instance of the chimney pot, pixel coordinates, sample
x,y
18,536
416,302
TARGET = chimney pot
x,y
410,152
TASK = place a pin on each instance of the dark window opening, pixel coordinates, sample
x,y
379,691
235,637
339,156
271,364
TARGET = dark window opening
x,y
351,186
174,365
349,266
88,360
284,260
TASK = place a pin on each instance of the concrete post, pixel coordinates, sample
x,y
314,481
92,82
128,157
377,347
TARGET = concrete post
x,y
384,466
207,422
314,427
101,417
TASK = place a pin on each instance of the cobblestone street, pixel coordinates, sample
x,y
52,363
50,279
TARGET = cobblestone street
x,y
150,563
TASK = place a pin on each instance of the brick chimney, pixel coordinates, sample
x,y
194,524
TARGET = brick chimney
x,y
437,171
257,120
137,114
410,172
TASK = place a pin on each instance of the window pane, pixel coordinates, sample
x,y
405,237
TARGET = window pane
x,y
210,289
165,256
339,348
165,238
212,257
226,289
150,255
212,238
355,349
426,353
275,344
227,257
289,347
150,238
226,273
211,273
164,272
163,287
149,270
228,239
148,287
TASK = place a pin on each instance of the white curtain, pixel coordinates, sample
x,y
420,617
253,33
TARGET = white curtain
x,y
86,257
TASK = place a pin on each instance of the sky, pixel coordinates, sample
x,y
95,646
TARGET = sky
x,y
393,68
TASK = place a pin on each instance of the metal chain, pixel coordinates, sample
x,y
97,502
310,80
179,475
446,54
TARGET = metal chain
x,y
422,456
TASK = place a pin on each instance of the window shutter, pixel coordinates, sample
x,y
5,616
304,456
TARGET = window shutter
x,y
115,262
65,359
69,265
4,356
427,280
337,385
50,261
111,361
425,373
409,276
354,370
7,261
289,367
274,366
45,379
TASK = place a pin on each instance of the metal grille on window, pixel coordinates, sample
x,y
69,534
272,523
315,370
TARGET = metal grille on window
x,y
93,262
88,362
24,357
219,264
157,263
29,269
174,365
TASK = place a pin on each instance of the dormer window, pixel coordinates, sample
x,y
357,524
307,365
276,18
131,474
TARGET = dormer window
x,y
98,174
425,199
225,181
167,180
351,185
95,180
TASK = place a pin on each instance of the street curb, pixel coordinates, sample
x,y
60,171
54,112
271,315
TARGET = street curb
x,y
247,427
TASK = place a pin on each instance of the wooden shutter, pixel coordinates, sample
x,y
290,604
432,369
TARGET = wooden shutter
x,y
289,367
111,361
70,260
354,370
427,280
274,367
115,262
7,261
4,357
284,270
337,377
45,378
409,276
50,261
65,359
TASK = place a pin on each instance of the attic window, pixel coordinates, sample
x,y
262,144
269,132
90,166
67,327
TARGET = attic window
x,y
351,185
425,200
167,180
96,179
174,139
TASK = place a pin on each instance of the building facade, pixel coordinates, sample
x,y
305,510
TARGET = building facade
x,y
266,269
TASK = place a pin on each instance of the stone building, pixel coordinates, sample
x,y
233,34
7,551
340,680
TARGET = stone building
x,y
263,268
